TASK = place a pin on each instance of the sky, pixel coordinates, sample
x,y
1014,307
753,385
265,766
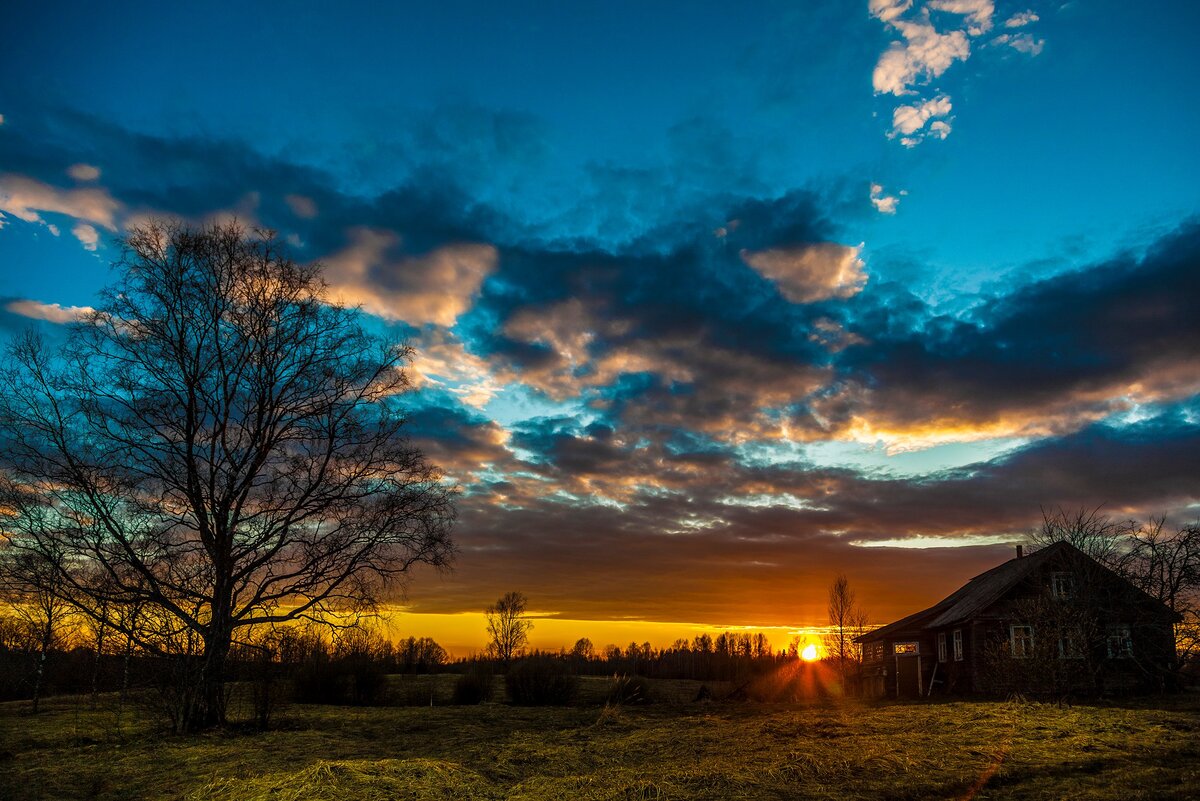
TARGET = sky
x,y
708,303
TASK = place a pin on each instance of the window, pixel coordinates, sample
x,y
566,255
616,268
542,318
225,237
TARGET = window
x,y
1021,638
958,652
906,648
1120,641
1070,644
1062,584
942,646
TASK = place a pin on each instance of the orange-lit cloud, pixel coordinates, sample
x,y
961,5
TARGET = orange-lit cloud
x,y
434,287
27,199
811,272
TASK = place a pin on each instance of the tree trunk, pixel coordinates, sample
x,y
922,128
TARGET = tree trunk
x,y
39,675
206,708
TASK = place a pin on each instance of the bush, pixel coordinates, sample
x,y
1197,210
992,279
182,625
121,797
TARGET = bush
x,y
474,686
320,681
340,681
629,690
541,681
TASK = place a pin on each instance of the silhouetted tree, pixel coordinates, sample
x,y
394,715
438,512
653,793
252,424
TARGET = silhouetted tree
x,y
30,583
846,621
507,627
583,649
219,445
1163,564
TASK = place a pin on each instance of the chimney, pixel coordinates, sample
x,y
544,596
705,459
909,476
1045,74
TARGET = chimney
x,y
1020,551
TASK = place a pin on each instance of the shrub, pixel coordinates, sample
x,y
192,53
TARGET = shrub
x,y
340,681
320,681
629,690
540,681
474,686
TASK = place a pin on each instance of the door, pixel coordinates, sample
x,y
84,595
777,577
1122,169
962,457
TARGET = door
x,y
908,676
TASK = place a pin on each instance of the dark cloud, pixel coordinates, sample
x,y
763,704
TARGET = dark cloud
x,y
695,546
1045,359
673,351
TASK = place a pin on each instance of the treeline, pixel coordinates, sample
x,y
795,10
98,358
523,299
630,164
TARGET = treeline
x,y
725,657
62,655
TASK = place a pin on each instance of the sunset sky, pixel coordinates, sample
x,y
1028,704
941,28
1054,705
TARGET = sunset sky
x,y
709,301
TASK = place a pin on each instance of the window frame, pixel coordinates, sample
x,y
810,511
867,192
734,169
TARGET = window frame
x,y
1026,641
1063,584
897,648
1071,635
1124,632
957,640
941,646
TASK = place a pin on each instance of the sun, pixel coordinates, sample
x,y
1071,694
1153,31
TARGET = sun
x,y
809,654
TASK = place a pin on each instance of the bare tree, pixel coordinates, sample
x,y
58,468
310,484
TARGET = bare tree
x,y
1094,533
30,585
507,627
1163,564
218,446
1166,565
846,621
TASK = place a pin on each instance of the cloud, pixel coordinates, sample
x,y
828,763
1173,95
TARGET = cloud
x,y
87,235
440,360
1022,43
908,122
888,10
977,13
812,272
884,204
910,119
1043,361
26,199
50,312
434,287
924,55
1021,19
83,172
672,476
303,207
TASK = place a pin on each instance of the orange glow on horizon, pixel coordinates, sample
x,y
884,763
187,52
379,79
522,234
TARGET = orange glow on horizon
x,y
465,633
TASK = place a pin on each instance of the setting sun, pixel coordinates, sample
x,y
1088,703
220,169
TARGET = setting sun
x,y
809,654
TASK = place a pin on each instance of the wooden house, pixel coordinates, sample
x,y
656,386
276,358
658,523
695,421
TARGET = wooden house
x,y
1054,621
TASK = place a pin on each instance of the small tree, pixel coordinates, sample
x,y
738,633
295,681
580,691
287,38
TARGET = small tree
x,y
583,649
507,627
218,446
846,621
30,585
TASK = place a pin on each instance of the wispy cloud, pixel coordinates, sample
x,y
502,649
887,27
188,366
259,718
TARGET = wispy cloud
x,y
83,172
27,199
50,312
1021,19
1022,42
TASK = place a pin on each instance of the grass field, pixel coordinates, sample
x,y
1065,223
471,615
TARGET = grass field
x,y
675,749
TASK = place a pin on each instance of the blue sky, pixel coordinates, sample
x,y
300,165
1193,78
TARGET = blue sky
x,y
788,278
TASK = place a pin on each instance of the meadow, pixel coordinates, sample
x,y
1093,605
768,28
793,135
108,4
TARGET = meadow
x,y
676,748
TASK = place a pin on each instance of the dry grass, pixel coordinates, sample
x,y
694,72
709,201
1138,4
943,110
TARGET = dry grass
x,y
674,750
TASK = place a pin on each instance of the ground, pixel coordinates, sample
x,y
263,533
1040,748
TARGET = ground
x,y
674,749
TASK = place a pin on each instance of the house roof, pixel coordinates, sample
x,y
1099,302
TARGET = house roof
x,y
972,598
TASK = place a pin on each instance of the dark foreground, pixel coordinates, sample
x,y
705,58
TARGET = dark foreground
x,y
674,749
